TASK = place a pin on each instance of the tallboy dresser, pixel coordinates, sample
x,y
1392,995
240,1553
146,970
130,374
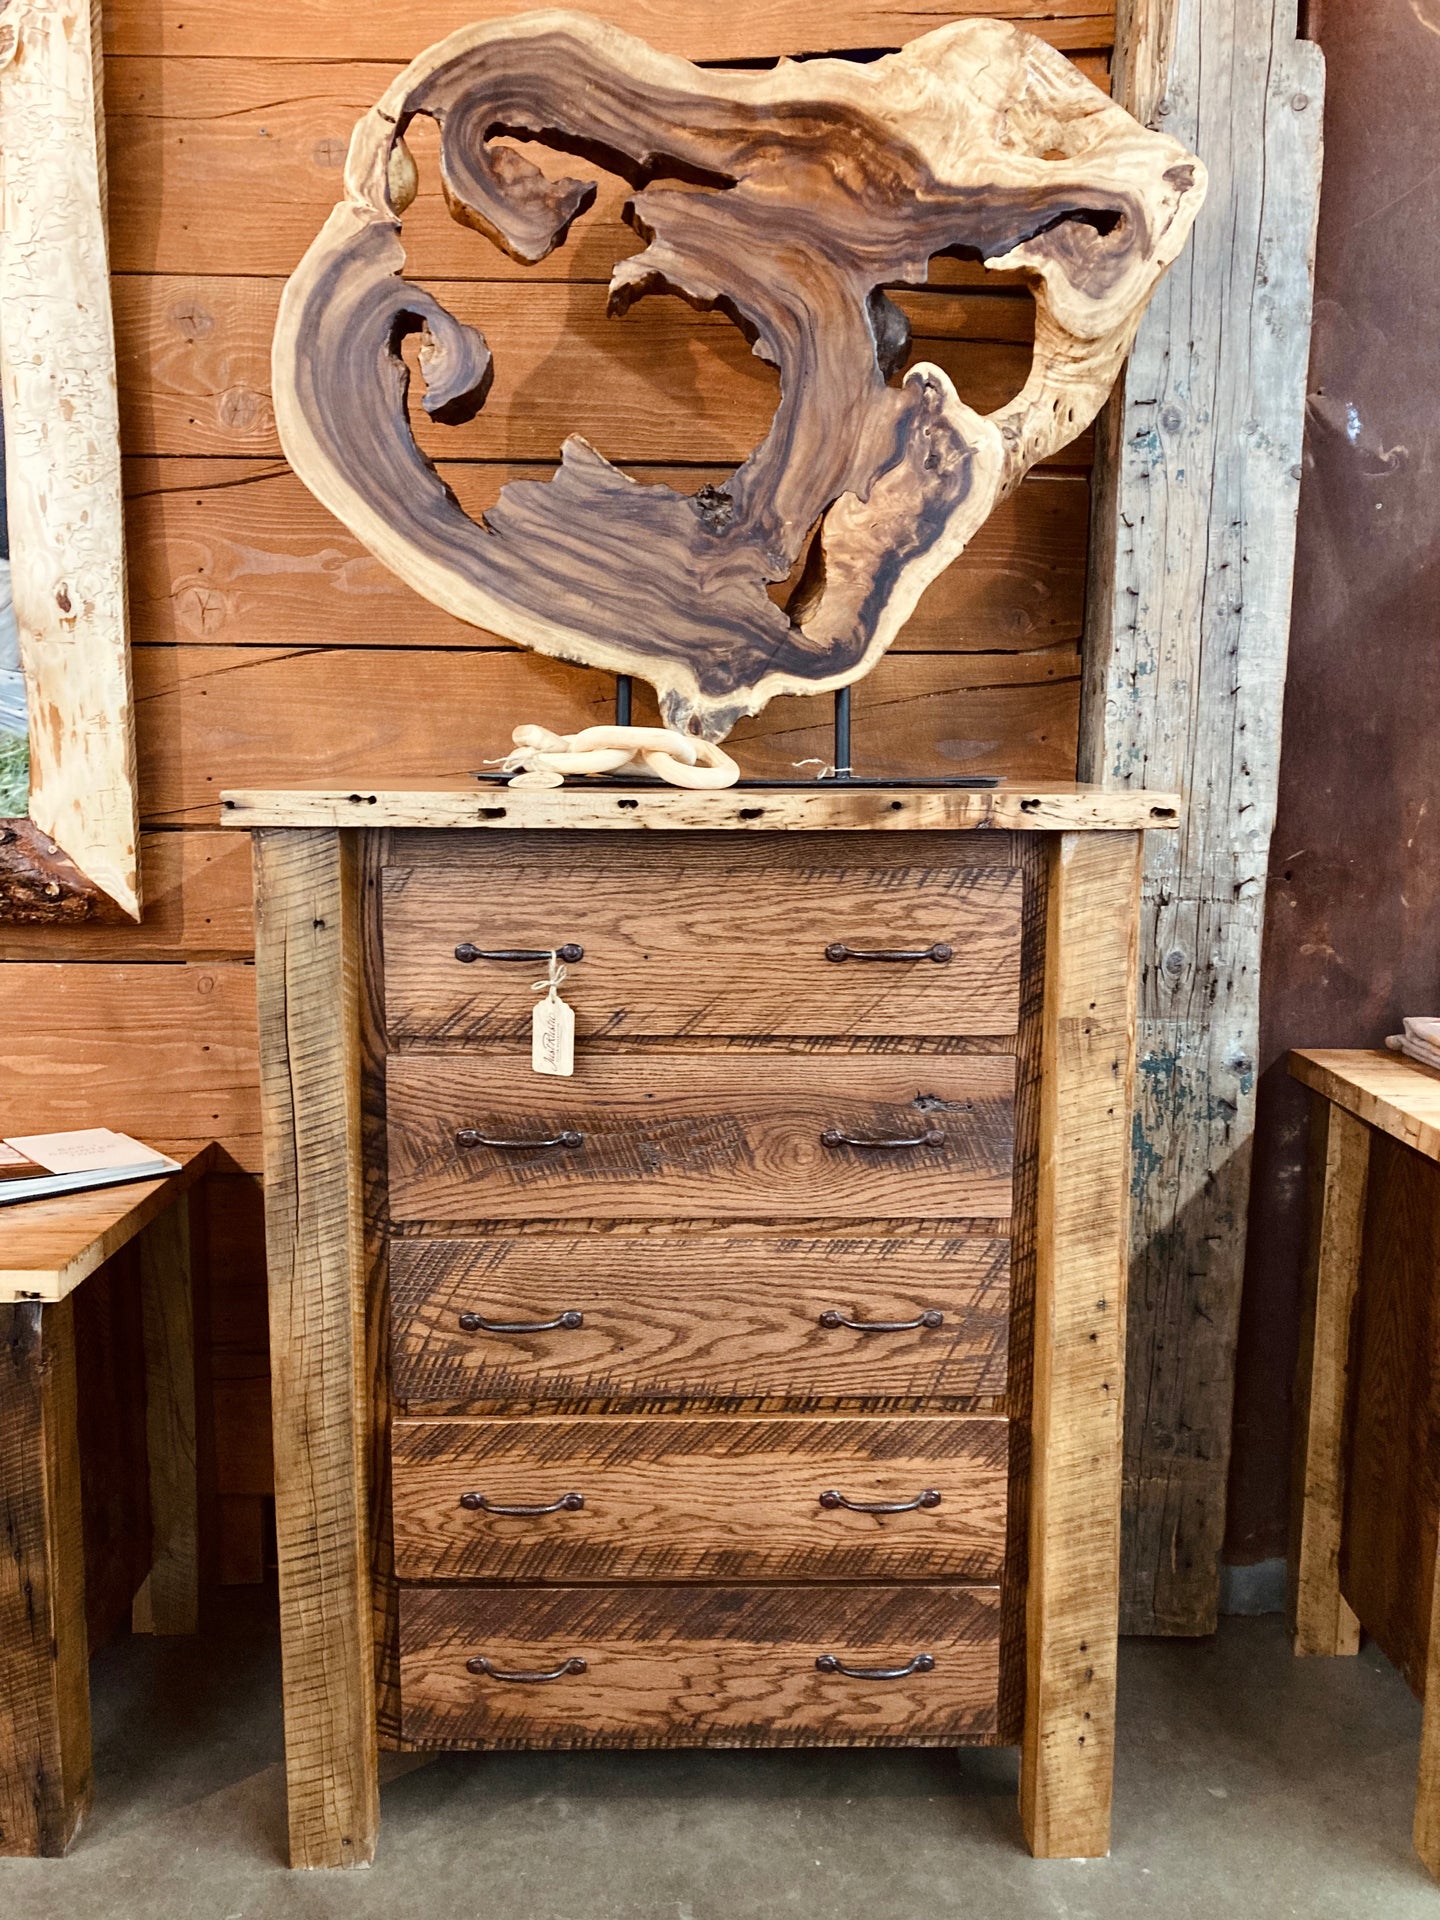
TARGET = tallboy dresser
x,y
761,1384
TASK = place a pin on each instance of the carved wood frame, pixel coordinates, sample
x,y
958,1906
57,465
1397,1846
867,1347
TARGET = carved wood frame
x,y
75,857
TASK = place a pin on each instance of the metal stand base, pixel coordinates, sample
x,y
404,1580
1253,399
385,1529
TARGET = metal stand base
x,y
841,773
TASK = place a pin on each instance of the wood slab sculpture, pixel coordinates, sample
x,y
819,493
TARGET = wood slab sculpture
x,y
788,199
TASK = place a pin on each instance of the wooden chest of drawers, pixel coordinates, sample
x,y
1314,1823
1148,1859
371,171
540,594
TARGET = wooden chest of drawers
x,y
760,1383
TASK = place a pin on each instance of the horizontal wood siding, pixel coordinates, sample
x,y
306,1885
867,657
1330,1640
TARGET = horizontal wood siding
x,y
324,30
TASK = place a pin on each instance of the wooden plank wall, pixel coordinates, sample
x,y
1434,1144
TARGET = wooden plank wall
x,y
268,647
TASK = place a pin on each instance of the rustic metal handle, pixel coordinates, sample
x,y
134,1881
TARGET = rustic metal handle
x,y
477,1323
479,1664
569,953
833,1137
832,1318
922,1663
468,1137
832,1497
567,1503
939,951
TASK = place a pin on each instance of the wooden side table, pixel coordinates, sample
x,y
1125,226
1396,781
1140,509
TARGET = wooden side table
x,y
1367,1472
47,1249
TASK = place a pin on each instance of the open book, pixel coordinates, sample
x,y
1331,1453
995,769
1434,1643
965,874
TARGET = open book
x,y
36,1166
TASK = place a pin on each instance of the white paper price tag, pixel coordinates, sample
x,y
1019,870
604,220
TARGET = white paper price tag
x,y
552,1029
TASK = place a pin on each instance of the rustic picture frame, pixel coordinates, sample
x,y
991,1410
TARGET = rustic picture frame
x,y
75,857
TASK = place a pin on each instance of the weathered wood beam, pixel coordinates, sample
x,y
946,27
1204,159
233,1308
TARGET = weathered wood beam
x,y
787,200
44,1671
306,949
1191,558
62,443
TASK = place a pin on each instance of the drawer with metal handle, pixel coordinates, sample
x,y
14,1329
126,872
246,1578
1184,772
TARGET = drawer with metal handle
x,y
705,934
701,1136
726,1666
598,1320
679,1497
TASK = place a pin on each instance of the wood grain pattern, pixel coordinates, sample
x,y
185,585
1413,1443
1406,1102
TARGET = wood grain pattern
x,y
723,1319
62,443
218,718
1082,1222
384,1591
1027,807
72,1061
700,1136
1024,1231
753,29
699,1666
197,907
865,486
660,382
169,1600
306,937
238,552
669,1498
47,1247
1320,1620
44,1675
1426,1828
1391,1491
657,960
1385,1090
110,1427
1192,553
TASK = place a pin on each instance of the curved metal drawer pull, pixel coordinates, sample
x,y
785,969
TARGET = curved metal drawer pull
x,y
479,1503
477,1323
468,1137
837,950
481,1665
832,1318
922,1663
832,1497
569,953
833,1137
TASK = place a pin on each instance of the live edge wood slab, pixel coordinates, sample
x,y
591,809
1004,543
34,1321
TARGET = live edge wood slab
x,y
357,1649
789,200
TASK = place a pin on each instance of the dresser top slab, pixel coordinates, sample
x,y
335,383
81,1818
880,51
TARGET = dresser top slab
x,y
1037,807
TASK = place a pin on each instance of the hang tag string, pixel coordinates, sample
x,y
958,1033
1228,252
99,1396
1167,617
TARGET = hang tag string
x,y
554,979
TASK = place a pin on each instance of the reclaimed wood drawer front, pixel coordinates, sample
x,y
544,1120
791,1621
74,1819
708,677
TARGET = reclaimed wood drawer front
x,y
713,935
664,1497
698,1666
695,1318
700,1136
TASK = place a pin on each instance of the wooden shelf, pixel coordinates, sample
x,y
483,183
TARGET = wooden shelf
x,y
1037,807
1388,1090
47,1247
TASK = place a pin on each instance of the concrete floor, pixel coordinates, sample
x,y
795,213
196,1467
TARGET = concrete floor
x,y
1248,1784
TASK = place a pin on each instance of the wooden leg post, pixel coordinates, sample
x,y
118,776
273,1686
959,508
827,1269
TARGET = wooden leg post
x,y
1082,1259
169,1601
44,1653
308,983
1320,1620
1427,1786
